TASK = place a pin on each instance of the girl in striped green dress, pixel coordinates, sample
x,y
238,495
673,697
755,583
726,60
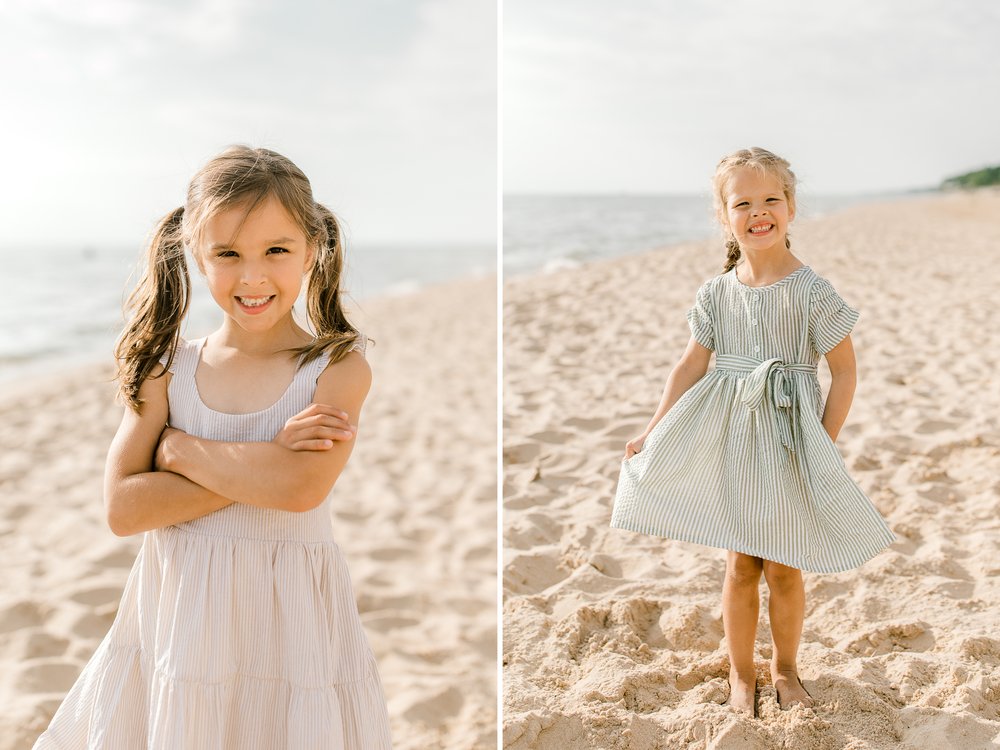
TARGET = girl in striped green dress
x,y
743,457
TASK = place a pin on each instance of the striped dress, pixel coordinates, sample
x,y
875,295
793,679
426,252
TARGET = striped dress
x,y
741,461
236,630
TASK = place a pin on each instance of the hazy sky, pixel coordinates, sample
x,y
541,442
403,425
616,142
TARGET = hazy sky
x,y
110,106
647,95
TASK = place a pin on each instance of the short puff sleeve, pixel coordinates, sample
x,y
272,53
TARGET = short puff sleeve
x,y
701,317
830,318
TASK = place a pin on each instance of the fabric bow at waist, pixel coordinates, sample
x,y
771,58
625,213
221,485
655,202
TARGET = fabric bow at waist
x,y
769,378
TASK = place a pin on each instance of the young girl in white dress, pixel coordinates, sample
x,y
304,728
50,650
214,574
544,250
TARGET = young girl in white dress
x,y
238,626
743,457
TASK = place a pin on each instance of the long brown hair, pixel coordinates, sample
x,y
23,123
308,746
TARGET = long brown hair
x,y
239,176
763,161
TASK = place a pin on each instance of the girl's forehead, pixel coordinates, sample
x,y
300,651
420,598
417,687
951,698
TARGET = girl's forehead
x,y
251,222
748,179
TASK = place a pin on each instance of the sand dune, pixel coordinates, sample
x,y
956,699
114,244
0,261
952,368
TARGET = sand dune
x,y
614,640
415,514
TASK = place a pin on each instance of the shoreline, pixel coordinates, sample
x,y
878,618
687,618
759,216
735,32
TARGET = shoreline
x,y
557,264
610,634
13,371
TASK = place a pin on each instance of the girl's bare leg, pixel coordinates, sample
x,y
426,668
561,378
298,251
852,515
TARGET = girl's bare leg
x,y
786,609
740,609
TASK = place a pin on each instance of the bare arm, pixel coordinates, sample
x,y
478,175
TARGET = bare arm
x,y
843,374
269,475
136,497
689,370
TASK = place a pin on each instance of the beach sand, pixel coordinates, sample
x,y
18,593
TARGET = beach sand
x,y
414,513
614,640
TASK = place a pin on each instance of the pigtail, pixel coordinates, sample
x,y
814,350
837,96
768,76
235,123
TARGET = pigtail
x,y
334,332
158,305
732,253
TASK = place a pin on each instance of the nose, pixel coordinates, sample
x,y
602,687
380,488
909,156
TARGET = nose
x,y
252,273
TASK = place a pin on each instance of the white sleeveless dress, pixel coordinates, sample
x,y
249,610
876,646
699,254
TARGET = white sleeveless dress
x,y
235,630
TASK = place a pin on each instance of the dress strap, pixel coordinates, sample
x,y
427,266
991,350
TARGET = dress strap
x,y
320,363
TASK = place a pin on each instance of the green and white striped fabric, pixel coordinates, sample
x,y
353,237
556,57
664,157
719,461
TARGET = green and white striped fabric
x,y
741,461
236,630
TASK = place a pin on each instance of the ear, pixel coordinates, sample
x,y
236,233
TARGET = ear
x,y
312,250
791,210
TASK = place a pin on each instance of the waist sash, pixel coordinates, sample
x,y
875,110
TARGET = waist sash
x,y
769,378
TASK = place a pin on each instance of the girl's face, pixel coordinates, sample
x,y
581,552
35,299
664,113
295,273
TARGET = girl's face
x,y
756,210
254,263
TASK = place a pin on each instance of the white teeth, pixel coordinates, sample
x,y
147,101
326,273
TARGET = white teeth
x,y
254,301
757,230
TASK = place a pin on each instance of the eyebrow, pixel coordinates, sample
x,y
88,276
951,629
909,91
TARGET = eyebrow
x,y
269,243
768,195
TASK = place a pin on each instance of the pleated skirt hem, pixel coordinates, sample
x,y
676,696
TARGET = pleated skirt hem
x,y
122,701
805,562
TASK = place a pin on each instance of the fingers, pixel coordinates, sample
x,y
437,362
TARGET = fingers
x,y
321,415
321,409
632,447
312,445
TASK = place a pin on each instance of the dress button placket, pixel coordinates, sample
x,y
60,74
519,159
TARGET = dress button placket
x,y
753,323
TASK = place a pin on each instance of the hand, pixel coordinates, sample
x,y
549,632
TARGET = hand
x,y
634,445
161,459
315,428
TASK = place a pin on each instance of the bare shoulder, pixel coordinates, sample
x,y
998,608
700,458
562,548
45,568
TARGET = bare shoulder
x,y
349,378
132,448
153,394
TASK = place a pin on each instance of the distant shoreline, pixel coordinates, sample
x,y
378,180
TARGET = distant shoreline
x,y
17,369
811,208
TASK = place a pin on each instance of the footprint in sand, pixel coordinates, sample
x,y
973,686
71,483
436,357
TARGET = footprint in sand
x,y
390,554
521,453
981,649
532,573
626,430
550,436
97,595
116,558
46,675
934,425
434,706
587,424
910,636
33,643
23,614
94,624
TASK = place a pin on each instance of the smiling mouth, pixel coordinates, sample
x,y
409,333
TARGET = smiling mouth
x,y
254,301
761,229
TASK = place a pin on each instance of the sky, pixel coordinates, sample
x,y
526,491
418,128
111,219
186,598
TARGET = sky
x,y
110,106
647,95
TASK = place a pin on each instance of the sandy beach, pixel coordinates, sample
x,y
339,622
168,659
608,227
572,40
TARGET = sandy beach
x,y
414,513
614,640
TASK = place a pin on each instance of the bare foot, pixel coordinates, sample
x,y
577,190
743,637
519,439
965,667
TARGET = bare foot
x,y
743,692
789,688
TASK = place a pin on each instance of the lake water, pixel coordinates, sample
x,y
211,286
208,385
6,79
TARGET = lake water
x,y
63,305
546,232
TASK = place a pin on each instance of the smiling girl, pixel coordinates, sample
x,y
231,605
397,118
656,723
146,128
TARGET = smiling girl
x,y
743,457
238,626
